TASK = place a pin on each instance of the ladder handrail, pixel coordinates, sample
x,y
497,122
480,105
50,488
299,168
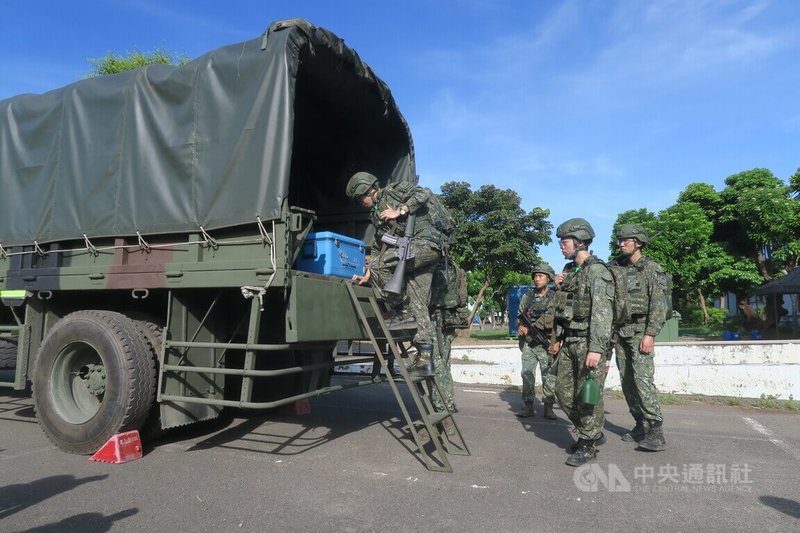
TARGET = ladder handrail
x,y
420,389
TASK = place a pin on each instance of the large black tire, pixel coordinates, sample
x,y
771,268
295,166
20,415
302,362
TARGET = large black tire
x,y
153,333
8,355
94,376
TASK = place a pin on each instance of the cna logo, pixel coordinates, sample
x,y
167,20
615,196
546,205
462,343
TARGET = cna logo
x,y
592,477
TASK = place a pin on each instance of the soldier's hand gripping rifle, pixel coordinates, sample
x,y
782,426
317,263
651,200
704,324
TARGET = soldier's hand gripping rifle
x,y
405,251
535,335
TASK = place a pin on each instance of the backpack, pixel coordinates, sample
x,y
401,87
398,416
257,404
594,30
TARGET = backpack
x,y
449,294
449,285
666,279
440,216
621,305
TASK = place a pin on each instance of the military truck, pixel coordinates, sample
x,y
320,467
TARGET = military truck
x,y
150,222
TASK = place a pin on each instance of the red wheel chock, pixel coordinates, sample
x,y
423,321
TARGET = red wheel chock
x,y
120,448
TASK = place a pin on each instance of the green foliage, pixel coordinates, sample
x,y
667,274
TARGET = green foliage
x,y
510,279
725,271
769,401
729,241
113,63
794,184
490,334
758,216
704,196
716,317
494,235
475,279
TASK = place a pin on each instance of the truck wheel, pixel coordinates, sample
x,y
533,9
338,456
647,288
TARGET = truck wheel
x,y
94,376
153,333
8,355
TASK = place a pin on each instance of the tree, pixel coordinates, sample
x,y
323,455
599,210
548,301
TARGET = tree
x,y
794,184
112,63
494,235
681,248
705,197
758,217
731,241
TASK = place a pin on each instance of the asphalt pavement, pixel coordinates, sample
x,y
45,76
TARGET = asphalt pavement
x,y
350,466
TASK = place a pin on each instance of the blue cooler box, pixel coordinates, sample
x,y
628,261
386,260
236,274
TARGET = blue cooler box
x,y
332,254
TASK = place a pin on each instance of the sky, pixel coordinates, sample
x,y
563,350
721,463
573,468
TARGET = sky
x,y
586,108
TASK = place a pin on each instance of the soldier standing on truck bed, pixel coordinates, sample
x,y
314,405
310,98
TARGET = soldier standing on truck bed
x,y
647,299
389,210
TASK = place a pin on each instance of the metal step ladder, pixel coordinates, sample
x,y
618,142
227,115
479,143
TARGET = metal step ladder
x,y
438,445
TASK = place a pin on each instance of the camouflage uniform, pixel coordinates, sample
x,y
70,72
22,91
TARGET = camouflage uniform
x,y
449,312
441,366
646,295
584,312
427,252
533,306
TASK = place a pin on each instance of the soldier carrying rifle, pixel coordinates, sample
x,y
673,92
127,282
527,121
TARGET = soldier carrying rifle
x,y
396,210
535,342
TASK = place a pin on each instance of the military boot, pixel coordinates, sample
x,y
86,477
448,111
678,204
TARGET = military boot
x,y
636,434
585,451
423,363
527,410
401,323
596,442
548,412
654,439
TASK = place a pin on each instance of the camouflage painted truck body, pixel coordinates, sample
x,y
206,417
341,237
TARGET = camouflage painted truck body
x,y
149,223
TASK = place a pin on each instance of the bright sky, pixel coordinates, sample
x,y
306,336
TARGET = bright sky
x,y
586,108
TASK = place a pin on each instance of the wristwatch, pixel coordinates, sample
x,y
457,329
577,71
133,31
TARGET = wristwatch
x,y
403,211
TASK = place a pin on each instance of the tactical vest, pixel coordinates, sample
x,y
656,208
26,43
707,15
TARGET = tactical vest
x,y
538,305
573,302
638,298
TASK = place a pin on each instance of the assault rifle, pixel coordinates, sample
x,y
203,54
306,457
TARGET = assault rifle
x,y
535,335
405,251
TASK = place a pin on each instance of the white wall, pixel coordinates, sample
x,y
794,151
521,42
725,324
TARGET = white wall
x,y
744,369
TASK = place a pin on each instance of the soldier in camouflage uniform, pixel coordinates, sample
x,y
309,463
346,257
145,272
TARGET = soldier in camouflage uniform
x,y
647,299
449,313
535,303
389,209
442,373
584,313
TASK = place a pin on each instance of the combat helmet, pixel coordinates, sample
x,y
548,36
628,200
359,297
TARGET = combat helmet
x,y
635,231
577,228
359,184
544,268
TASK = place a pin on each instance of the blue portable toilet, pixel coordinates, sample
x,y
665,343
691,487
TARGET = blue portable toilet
x,y
515,294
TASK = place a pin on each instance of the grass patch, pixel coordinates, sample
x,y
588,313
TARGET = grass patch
x,y
491,334
733,402
465,360
677,399
773,402
764,402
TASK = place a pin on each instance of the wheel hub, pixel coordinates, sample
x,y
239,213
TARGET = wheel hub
x,y
95,379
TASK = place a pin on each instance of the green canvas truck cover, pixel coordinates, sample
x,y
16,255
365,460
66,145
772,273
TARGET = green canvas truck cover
x,y
219,142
